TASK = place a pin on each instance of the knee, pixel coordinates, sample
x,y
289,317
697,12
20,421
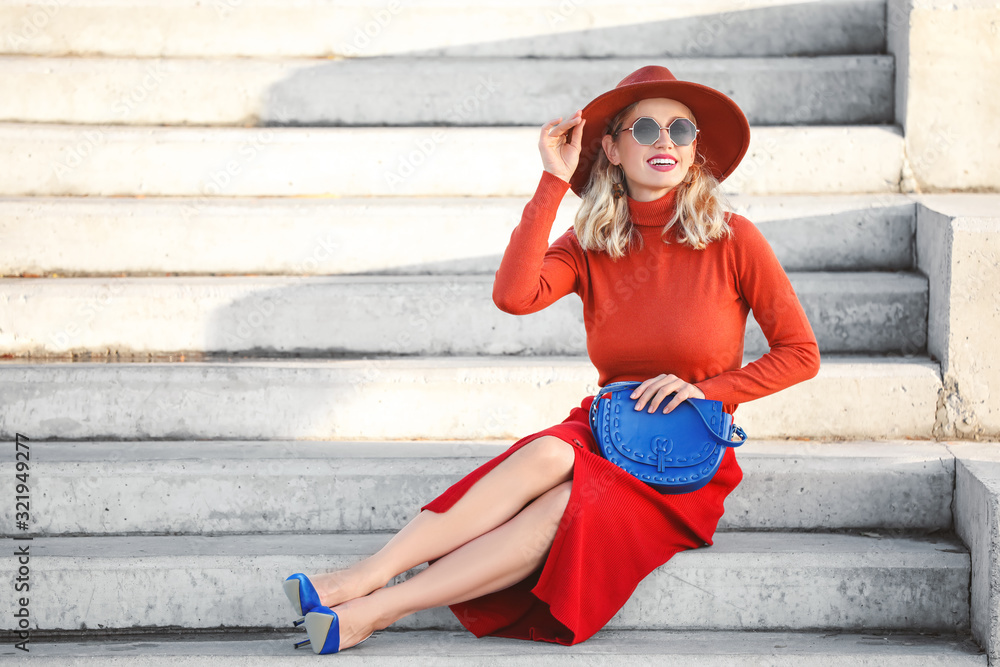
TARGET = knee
x,y
552,455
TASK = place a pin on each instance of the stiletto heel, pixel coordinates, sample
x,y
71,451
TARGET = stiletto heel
x,y
302,594
323,628
301,644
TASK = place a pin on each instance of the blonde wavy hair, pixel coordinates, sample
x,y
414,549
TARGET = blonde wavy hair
x,y
603,222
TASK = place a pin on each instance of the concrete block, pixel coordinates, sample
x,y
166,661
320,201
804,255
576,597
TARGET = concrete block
x,y
958,248
406,315
947,51
859,313
746,581
429,648
129,161
232,487
832,90
416,398
899,401
298,236
835,233
236,235
806,484
551,28
977,522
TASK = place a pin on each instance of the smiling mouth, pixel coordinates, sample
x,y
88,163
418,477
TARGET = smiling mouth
x,y
662,163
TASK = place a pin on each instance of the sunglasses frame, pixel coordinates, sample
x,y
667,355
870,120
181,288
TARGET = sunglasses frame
x,y
661,128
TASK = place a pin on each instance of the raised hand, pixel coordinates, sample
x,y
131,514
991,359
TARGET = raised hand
x,y
559,145
654,390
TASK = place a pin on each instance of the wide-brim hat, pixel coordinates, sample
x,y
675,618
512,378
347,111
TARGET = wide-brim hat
x,y
724,134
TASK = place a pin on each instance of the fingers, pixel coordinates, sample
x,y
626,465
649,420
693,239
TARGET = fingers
x,y
679,397
656,390
577,138
557,127
641,390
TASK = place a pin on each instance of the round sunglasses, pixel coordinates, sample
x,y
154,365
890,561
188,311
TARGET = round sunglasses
x,y
646,131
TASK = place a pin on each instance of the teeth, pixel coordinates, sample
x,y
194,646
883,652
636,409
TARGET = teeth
x,y
662,161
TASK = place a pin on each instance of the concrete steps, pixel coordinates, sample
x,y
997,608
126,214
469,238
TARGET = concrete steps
x,y
296,236
553,29
175,496
46,160
233,487
746,581
831,90
417,398
607,647
407,315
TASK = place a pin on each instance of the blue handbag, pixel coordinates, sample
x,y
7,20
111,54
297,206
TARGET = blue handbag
x,y
677,452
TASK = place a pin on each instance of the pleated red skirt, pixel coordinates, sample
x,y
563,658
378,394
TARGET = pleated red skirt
x,y
614,531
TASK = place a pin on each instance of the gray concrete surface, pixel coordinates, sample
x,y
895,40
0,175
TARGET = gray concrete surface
x,y
745,581
977,522
607,647
335,235
958,248
406,315
212,162
946,58
552,28
290,487
832,90
416,398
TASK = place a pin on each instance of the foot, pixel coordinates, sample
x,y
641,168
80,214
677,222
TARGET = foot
x,y
336,588
355,625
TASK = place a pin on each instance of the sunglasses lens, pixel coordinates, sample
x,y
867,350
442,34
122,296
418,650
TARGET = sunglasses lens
x,y
646,131
682,132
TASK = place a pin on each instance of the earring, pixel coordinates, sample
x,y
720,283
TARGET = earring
x,y
617,189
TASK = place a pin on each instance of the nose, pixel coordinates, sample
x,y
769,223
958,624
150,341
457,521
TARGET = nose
x,y
664,139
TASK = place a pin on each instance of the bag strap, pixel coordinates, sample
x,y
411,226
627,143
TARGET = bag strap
x,y
614,386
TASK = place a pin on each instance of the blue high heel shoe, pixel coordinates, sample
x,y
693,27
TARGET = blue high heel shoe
x,y
303,596
323,629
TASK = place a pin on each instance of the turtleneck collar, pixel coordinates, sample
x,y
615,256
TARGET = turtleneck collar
x,y
654,213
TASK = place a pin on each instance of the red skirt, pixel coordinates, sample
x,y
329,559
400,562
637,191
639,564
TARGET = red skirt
x,y
588,575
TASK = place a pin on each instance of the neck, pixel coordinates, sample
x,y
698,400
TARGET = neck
x,y
655,213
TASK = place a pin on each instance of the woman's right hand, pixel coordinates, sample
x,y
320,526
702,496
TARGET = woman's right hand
x,y
560,144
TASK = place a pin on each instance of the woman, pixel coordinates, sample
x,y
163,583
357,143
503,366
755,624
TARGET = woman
x,y
521,547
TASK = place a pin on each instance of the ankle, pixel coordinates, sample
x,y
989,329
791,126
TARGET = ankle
x,y
368,575
341,586
374,610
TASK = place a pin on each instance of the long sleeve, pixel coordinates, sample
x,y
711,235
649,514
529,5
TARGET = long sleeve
x,y
764,286
533,275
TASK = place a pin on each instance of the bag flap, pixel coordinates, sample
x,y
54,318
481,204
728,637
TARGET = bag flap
x,y
678,439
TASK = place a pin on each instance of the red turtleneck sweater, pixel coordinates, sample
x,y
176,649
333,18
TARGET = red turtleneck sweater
x,y
664,308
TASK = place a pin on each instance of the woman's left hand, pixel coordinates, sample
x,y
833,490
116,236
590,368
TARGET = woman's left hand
x,y
654,390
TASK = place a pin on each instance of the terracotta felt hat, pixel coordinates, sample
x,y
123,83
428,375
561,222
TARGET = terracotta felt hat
x,y
724,134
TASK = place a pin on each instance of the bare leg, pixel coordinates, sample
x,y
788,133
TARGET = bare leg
x,y
491,562
534,469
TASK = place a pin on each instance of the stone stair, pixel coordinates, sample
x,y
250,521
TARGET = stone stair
x,y
222,376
